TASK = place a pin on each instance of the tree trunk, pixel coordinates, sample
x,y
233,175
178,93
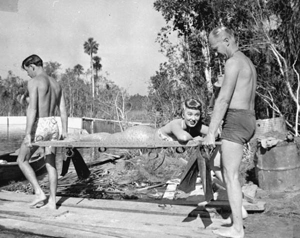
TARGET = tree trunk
x,y
206,54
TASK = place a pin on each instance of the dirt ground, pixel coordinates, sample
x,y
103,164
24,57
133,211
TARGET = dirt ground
x,y
118,180
281,217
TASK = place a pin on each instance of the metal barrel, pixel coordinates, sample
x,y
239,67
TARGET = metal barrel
x,y
278,168
272,124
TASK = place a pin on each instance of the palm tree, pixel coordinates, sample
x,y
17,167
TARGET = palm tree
x,y
90,48
97,65
78,70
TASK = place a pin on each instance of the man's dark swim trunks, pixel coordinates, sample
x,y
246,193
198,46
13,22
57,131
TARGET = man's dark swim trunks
x,y
239,125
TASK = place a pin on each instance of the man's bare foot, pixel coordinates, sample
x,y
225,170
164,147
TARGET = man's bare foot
x,y
228,221
229,232
38,199
50,206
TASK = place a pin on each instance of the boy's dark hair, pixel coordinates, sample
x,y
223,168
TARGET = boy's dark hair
x,y
32,59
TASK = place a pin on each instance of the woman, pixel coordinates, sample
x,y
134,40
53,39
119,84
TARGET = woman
x,y
189,127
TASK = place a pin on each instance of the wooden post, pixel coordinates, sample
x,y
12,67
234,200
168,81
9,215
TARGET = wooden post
x,y
7,128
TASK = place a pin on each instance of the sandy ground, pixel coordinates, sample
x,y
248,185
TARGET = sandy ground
x,y
281,218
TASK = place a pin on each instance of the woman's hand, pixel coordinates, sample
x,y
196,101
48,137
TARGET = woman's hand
x,y
198,138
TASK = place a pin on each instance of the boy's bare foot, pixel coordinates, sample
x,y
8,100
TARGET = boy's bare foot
x,y
229,232
38,199
228,221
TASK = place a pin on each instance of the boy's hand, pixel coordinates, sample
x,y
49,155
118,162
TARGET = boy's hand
x,y
27,140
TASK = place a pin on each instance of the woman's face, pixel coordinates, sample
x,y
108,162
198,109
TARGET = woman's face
x,y
191,117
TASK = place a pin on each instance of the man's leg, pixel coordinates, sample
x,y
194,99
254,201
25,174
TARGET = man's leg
x,y
216,165
232,154
52,173
23,161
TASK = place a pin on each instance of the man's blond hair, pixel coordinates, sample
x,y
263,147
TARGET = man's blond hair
x,y
222,32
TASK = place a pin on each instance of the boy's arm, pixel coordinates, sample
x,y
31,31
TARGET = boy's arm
x,y
31,110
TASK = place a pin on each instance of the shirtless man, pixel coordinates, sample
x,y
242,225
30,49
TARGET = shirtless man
x,y
235,106
45,97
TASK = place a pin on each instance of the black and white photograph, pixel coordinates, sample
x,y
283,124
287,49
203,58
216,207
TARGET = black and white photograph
x,y
149,118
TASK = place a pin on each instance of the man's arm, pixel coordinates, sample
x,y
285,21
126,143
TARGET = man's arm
x,y
63,115
224,98
31,110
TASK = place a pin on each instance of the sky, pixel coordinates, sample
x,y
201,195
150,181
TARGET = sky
x,y
57,29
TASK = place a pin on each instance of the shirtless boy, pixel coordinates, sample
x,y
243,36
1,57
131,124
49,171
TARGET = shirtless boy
x,y
45,97
235,106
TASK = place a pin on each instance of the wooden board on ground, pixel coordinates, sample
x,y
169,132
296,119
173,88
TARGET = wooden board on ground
x,y
170,191
78,217
259,206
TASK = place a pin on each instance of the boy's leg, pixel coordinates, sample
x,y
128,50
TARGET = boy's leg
x,y
52,173
23,160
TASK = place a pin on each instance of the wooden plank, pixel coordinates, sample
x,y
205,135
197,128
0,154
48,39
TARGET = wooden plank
x,y
151,206
91,222
127,144
170,191
224,204
198,189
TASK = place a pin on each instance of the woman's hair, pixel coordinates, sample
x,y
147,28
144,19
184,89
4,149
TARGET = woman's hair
x,y
32,59
192,104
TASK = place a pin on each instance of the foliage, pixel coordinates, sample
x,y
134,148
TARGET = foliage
x,y
96,64
77,91
78,70
138,102
10,88
51,68
267,32
276,30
